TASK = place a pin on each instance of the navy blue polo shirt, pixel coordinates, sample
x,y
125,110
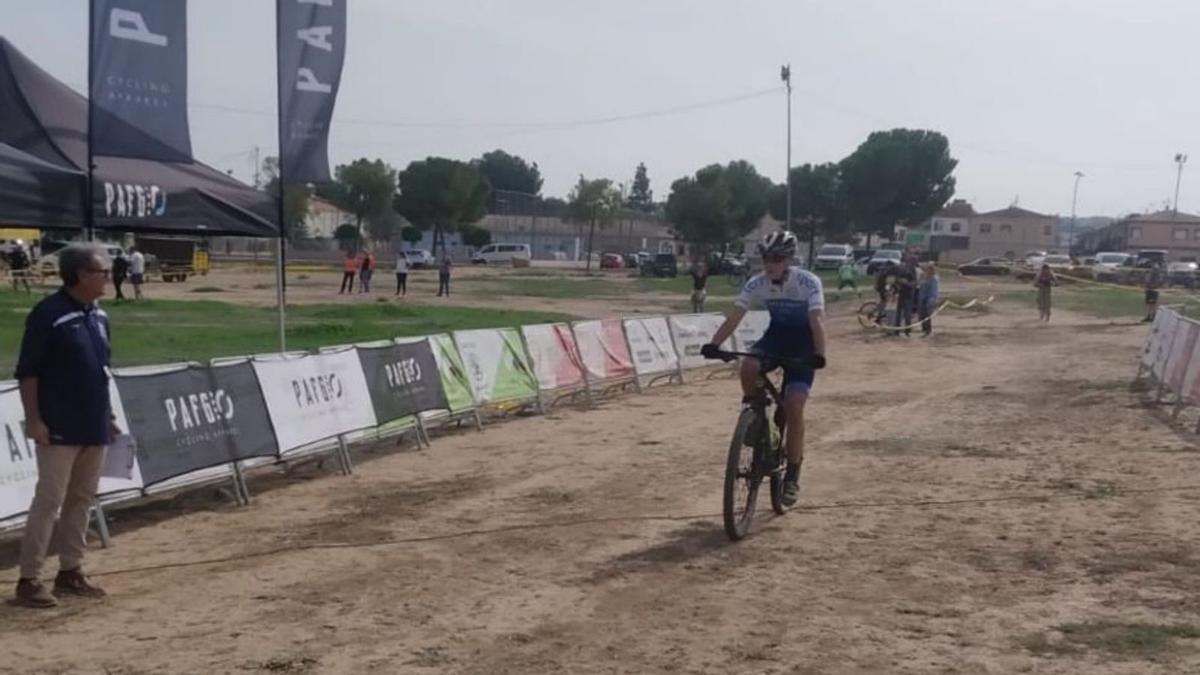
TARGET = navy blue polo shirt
x,y
66,348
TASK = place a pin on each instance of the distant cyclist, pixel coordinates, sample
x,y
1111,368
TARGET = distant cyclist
x,y
796,303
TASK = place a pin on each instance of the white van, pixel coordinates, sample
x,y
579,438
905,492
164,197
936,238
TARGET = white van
x,y
501,254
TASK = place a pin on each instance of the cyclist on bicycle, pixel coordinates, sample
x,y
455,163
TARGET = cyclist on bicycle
x,y
795,301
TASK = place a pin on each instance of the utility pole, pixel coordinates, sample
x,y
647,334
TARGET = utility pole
x,y
785,74
257,164
1074,198
1180,160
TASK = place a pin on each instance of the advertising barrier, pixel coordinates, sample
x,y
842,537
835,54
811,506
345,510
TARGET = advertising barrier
x,y
403,379
496,366
603,349
691,332
315,397
556,361
650,348
1183,347
751,329
1163,343
18,464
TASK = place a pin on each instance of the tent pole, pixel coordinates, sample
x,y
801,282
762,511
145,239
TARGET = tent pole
x,y
88,217
280,273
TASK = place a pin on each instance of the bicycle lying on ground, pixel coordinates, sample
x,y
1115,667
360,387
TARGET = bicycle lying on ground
x,y
756,451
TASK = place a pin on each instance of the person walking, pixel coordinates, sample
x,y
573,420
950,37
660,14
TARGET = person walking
x,y
137,272
349,267
848,276
61,371
927,298
1154,281
444,275
402,274
906,298
19,266
699,286
120,270
1044,281
365,267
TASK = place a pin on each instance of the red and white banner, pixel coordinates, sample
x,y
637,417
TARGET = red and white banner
x,y
650,346
603,349
556,360
1183,347
751,329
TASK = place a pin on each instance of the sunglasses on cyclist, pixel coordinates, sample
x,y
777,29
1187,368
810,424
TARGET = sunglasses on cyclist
x,y
775,258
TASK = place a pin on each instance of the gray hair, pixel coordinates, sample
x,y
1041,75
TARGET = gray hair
x,y
77,258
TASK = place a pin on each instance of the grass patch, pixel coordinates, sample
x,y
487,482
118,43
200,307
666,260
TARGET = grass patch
x,y
207,289
1129,640
161,331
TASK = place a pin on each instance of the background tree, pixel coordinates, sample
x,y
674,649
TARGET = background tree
x,y
898,176
719,205
475,236
347,237
364,188
385,226
411,235
595,202
819,204
296,198
509,172
443,195
641,197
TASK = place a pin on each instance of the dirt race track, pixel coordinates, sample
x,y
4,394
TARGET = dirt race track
x,y
982,502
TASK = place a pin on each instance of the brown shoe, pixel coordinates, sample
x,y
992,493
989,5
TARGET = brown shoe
x,y
32,593
74,582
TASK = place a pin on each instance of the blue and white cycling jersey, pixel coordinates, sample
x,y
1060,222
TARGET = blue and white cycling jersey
x,y
790,304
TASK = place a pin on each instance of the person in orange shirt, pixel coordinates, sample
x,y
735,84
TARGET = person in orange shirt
x,y
350,266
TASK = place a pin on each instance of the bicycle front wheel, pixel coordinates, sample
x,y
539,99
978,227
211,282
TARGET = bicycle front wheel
x,y
868,314
742,478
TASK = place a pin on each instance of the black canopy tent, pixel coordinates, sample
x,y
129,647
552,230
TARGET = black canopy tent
x,y
42,117
36,193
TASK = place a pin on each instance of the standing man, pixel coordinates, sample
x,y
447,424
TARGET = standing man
x,y
364,272
349,267
444,275
848,276
120,269
401,273
1154,280
64,391
137,272
906,295
927,298
20,267
699,286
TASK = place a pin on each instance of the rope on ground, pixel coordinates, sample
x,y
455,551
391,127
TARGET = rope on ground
x,y
525,527
869,322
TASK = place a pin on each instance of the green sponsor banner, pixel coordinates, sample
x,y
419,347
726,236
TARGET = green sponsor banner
x,y
454,375
515,379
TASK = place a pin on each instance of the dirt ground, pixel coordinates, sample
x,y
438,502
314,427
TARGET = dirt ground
x,y
978,502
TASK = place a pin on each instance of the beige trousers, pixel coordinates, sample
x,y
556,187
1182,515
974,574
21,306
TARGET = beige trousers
x,y
68,476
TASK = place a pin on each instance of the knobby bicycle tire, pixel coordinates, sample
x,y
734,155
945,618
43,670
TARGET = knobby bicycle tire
x,y
737,525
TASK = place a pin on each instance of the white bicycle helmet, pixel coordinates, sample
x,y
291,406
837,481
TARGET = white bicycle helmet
x,y
782,243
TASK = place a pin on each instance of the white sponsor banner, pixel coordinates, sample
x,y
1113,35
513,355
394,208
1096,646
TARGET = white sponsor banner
x,y
603,349
650,346
555,356
315,397
693,331
1152,338
113,486
751,329
1163,343
1183,347
18,464
496,365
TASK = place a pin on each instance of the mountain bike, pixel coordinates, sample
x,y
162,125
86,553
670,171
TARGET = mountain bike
x,y
756,451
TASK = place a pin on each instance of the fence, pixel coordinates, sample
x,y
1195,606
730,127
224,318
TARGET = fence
x,y
209,423
1169,362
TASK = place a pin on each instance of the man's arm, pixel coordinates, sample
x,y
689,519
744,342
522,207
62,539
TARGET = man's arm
x,y
817,321
732,319
34,426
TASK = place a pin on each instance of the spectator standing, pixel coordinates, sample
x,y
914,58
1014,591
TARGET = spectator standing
x,y
906,296
349,267
120,270
699,286
927,298
848,276
1154,281
19,267
444,275
1044,282
364,273
64,391
402,273
137,272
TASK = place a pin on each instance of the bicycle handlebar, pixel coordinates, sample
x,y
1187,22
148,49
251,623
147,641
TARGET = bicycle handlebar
x,y
784,361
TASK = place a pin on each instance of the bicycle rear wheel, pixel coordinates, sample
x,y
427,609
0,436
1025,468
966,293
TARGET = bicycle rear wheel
x,y
742,477
868,314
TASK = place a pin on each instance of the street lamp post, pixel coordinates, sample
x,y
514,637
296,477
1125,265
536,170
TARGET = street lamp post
x,y
1074,199
785,74
1180,160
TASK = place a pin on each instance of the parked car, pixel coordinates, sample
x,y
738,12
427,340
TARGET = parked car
x,y
883,258
726,264
1183,274
661,265
1058,262
47,265
833,256
993,266
493,254
611,261
1106,265
419,258
1034,258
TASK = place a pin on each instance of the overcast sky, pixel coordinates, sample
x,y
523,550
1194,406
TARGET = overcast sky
x,y
1028,91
